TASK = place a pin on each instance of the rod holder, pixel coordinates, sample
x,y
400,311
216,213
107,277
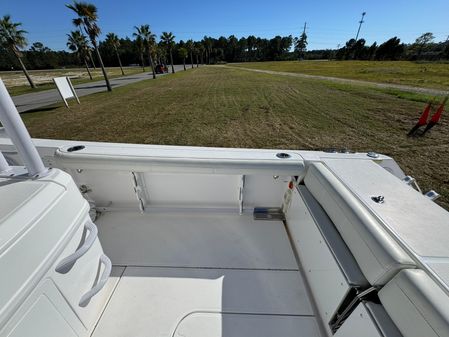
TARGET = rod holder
x,y
16,130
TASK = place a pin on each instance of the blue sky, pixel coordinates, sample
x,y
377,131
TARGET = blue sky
x,y
329,22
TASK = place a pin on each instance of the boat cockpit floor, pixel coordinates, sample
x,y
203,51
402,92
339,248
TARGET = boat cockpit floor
x,y
211,275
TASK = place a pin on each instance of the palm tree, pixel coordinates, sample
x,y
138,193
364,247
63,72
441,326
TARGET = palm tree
x,y
91,57
13,38
168,40
202,51
113,41
197,52
190,45
207,43
183,53
144,32
87,20
141,48
77,43
159,53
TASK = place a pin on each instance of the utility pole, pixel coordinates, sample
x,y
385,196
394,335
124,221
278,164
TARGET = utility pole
x,y
360,26
334,53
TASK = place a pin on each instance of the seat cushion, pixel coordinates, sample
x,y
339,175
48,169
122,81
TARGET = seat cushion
x,y
379,256
416,304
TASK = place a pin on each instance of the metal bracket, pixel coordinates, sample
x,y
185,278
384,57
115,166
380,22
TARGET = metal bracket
x,y
410,181
21,172
85,189
348,305
93,209
241,187
267,213
18,172
140,192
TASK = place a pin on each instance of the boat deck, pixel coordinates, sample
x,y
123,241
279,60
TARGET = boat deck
x,y
207,274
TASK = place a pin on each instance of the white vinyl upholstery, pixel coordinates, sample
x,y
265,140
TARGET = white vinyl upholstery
x,y
379,257
416,304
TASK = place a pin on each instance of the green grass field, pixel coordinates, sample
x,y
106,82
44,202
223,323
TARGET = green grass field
x,y
17,84
217,106
427,75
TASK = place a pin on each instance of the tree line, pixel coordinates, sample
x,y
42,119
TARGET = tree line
x,y
145,49
423,49
130,50
229,49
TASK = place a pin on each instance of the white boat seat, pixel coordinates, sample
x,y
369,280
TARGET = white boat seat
x,y
378,255
416,304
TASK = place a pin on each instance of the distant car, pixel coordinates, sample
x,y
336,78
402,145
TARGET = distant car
x,y
161,69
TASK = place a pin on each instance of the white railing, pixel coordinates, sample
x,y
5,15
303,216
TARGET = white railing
x,y
16,130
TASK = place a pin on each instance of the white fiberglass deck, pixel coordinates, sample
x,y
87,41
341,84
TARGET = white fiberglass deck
x,y
200,240
191,274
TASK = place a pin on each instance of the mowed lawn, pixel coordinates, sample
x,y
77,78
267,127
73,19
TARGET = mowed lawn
x,y
218,106
422,74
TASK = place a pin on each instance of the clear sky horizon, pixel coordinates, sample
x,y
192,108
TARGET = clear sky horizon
x,y
329,23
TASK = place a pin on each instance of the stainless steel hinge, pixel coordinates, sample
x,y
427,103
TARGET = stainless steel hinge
x,y
139,191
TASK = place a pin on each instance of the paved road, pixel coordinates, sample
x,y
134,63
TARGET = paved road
x,y
350,81
41,99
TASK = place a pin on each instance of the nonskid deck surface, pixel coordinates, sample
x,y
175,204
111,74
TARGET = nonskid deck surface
x,y
203,275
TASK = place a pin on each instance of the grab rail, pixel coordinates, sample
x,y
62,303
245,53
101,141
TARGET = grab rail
x,y
101,282
88,242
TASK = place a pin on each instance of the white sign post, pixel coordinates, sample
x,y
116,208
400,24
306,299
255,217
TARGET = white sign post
x,y
65,89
